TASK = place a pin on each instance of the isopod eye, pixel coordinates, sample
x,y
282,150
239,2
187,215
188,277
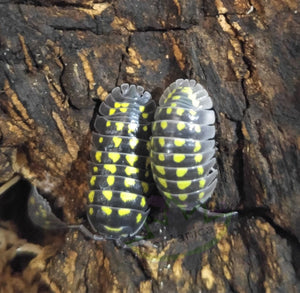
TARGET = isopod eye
x,y
40,212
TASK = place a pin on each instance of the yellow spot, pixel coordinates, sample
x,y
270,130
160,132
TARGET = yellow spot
x,y
111,111
106,210
129,182
179,142
184,184
193,113
180,111
142,108
93,180
202,183
112,229
161,157
147,174
169,111
91,196
91,211
200,170
143,202
161,141
100,139
123,212
95,169
145,186
149,145
153,126
98,156
108,123
145,128
107,194
198,128
132,127
201,194
117,105
187,90
119,126
148,162
111,168
163,124
32,200
145,115
110,180
114,156
161,170
131,170
163,182
126,196
125,105
173,105
197,146
183,197
131,159
180,125
198,158
182,206
178,158
138,218
133,142
123,110
168,195
117,141
180,172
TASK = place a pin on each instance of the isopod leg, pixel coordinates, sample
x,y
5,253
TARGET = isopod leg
x,y
215,214
86,232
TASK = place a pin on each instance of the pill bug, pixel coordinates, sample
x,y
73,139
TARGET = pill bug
x,y
183,146
121,178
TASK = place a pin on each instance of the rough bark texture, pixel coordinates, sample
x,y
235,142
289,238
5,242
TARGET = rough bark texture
x,y
58,58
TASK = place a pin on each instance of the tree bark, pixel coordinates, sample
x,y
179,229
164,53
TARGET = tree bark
x,y
58,59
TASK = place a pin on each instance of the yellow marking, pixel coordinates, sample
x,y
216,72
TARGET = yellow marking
x,y
145,128
163,182
98,156
169,110
143,202
178,158
138,217
168,195
202,183
149,144
184,184
119,126
153,126
106,210
198,128
180,111
147,174
183,197
108,123
161,141
131,170
117,105
111,168
198,158
142,108
180,126
163,124
95,169
161,157
173,105
126,196
148,162
93,180
179,142
182,206
176,97
129,182
161,170
123,110
123,212
197,146
32,200
132,127
180,172
125,105
117,141
201,194
101,139
111,229
114,157
200,170
187,90
107,194
145,187
91,196
145,115
110,180
131,159
133,142
111,111
91,211
193,113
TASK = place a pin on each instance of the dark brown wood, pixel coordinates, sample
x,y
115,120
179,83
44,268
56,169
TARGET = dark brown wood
x,y
58,58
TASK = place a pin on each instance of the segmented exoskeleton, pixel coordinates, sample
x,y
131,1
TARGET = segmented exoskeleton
x,y
183,148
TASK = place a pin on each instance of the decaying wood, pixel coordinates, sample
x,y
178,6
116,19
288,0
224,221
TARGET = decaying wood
x,y
59,58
